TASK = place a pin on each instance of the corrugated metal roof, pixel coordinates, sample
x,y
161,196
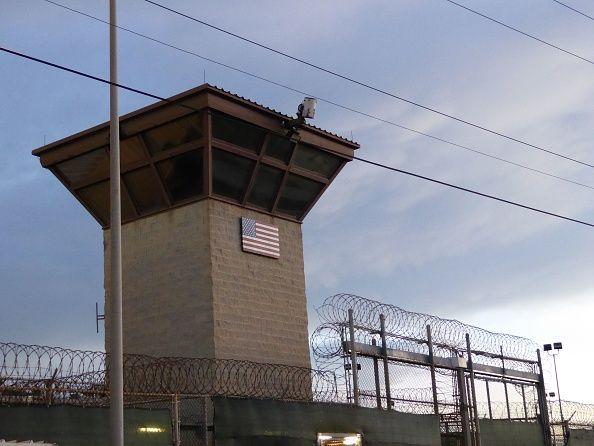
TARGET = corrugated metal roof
x,y
222,90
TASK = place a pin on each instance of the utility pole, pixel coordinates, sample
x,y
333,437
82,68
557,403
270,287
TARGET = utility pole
x,y
116,360
559,397
557,346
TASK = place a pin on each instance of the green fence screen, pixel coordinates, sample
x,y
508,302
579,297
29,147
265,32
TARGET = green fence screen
x,y
240,422
511,433
88,426
581,437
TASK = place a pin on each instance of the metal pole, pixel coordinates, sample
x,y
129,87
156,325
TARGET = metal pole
x,y
524,402
378,392
386,364
489,399
559,397
477,432
176,420
464,407
505,384
116,362
354,369
542,400
432,369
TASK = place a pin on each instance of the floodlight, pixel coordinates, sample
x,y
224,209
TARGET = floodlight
x,y
352,440
547,347
558,345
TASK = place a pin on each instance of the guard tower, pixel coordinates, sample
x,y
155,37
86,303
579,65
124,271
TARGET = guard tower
x,y
214,190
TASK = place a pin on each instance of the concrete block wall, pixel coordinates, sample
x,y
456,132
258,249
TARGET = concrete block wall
x,y
167,286
189,290
260,309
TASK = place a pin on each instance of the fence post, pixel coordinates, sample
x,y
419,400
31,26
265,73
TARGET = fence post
x,y
378,393
505,384
464,407
354,368
524,402
477,431
432,368
176,421
386,364
489,399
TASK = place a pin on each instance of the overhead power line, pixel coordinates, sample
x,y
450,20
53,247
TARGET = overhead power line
x,y
525,34
565,5
371,87
333,103
364,160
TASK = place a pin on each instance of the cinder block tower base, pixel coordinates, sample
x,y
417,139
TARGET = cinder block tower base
x,y
191,292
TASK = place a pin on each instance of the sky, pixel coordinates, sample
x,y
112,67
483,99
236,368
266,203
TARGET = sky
x,y
374,233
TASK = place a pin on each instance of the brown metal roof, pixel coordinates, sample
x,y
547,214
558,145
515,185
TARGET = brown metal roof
x,y
202,143
179,98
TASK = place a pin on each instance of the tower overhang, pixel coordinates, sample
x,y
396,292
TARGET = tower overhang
x,y
203,143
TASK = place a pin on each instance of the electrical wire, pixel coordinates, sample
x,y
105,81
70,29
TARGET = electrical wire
x,y
574,9
364,160
327,101
371,87
525,34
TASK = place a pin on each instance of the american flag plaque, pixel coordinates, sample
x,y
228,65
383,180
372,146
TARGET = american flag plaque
x,y
258,238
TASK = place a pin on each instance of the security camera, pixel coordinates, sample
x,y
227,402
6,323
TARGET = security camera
x,y
307,109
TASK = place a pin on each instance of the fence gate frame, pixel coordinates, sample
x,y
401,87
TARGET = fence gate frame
x,y
467,371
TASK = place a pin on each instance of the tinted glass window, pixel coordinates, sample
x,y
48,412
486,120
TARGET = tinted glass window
x,y
91,165
237,132
279,148
182,175
297,194
265,186
230,174
316,160
131,151
174,133
96,197
144,189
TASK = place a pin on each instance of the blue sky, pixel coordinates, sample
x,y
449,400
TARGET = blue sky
x,y
374,233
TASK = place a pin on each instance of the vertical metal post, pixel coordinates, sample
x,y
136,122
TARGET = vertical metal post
x,y
386,364
524,402
354,369
116,362
542,403
176,421
477,429
559,398
464,407
432,369
489,399
505,383
378,391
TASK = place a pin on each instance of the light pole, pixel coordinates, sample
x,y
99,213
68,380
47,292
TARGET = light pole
x,y
116,360
553,350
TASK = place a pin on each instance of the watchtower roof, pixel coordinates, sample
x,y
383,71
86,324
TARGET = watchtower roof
x,y
203,143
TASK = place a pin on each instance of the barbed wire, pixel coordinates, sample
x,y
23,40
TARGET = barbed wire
x,y
408,328
574,413
38,368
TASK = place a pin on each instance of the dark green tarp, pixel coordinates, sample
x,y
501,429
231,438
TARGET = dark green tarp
x,y
581,437
78,426
240,422
511,433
